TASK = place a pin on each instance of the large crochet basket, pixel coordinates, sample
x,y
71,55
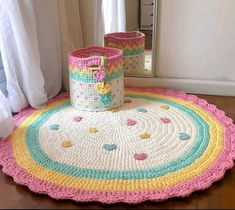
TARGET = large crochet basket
x,y
132,44
96,78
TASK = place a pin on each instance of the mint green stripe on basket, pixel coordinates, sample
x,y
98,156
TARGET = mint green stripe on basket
x,y
129,52
201,143
84,77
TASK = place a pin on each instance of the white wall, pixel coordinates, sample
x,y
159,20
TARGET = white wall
x,y
196,39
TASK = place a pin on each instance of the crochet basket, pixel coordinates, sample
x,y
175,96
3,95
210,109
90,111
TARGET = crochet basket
x,y
132,44
96,78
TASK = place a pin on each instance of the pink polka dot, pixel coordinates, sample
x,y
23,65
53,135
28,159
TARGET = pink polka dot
x,y
165,120
140,156
131,122
77,118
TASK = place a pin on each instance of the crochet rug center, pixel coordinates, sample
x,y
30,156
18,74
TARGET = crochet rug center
x,y
159,144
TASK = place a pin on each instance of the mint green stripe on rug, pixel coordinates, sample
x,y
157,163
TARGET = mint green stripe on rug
x,y
202,140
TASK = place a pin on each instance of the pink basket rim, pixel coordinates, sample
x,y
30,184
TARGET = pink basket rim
x,y
124,35
75,53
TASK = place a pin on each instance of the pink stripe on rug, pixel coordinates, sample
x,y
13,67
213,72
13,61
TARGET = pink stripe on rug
x,y
203,181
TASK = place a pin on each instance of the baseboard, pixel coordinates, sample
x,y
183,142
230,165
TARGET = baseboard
x,y
208,87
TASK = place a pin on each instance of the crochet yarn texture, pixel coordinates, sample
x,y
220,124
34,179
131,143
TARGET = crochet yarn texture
x,y
96,78
132,45
160,144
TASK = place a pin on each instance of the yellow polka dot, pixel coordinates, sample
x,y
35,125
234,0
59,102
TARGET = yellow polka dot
x,y
66,143
145,135
114,110
165,107
92,130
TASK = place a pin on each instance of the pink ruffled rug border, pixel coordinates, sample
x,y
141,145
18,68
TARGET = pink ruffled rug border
x,y
201,182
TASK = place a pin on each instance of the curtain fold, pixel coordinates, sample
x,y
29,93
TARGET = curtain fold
x,y
49,44
20,54
70,33
98,19
6,120
114,15
91,22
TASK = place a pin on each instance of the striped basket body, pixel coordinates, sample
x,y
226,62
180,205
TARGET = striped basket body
x,y
96,78
132,44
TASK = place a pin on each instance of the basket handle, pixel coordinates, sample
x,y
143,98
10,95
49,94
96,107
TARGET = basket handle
x,y
101,65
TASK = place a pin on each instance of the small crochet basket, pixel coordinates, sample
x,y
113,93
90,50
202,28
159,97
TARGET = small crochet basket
x,y
96,78
132,44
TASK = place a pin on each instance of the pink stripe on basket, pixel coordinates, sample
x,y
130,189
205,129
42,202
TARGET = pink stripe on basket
x,y
130,38
76,57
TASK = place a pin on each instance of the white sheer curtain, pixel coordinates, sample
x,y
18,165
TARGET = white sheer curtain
x,y
20,54
6,121
49,46
35,37
70,33
114,15
98,19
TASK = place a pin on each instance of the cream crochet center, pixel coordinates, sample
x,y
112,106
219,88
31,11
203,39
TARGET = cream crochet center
x,y
87,150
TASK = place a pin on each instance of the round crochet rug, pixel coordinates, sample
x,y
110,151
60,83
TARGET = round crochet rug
x,y
159,144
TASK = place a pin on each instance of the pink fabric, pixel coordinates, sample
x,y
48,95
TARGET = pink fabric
x,y
203,181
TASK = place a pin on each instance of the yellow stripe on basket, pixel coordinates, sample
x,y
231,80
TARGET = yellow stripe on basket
x,y
214,148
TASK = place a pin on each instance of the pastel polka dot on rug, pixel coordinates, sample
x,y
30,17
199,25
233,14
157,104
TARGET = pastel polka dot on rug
x,y
131,122
66,143
165,120
92,130
143,110
145,135
165,107
140,156
77,118
109,147
54,126
184,136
